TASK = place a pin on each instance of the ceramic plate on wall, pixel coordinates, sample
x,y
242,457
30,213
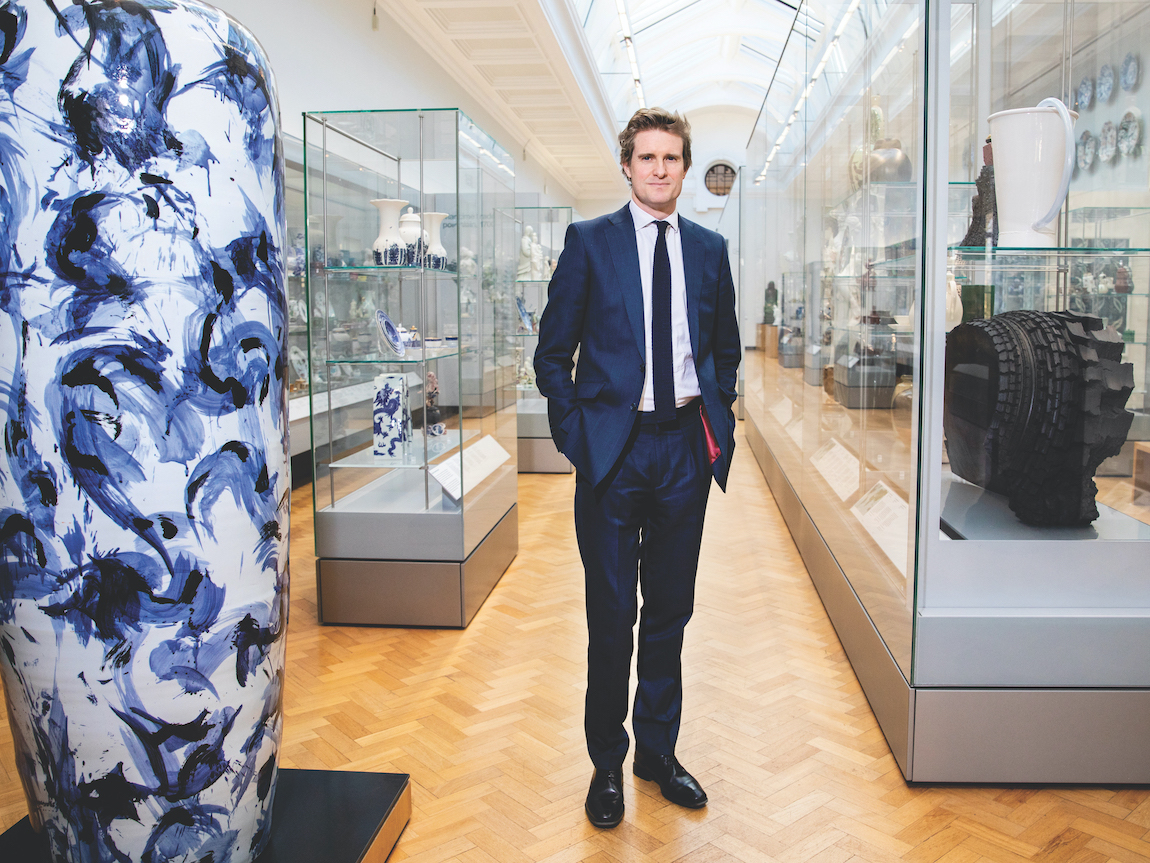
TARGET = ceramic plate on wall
x,y
390,333
1085,93
1087,150
1129,133
1129,71
1107,142
1105,88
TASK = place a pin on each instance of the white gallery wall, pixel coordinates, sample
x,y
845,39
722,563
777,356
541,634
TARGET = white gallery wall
x,y
717,135
327,57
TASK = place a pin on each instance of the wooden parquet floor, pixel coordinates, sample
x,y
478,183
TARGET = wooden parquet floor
x,y
488,722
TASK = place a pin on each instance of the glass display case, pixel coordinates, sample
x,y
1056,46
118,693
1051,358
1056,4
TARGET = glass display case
x,y
540,233
964,486
730,226
411,247
295,265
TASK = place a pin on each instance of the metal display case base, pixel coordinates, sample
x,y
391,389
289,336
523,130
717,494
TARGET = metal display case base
x,y
791,360
970,734
539,455
416,593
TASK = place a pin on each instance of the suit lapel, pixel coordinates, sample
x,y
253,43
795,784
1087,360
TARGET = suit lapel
x,y
693,274
625,257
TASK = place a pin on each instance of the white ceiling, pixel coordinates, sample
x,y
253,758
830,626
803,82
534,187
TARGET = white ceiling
x,y
557,74
692,54
530,67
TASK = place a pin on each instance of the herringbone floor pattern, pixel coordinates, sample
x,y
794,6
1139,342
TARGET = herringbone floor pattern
x,y
488,722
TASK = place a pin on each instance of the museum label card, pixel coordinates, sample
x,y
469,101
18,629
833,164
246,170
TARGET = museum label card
x,y
886,518
479,461
839,467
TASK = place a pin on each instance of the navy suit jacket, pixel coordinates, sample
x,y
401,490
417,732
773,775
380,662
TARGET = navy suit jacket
x,y
595,304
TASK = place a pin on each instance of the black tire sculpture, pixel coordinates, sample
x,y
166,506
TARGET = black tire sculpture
x,y
1034,401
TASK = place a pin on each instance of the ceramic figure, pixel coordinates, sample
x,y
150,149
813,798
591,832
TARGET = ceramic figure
x,y
144,583
536,262
467,265
888,162
391,416
1123,284
389,248
523,273
436,251
1088,283
431,409
1105,284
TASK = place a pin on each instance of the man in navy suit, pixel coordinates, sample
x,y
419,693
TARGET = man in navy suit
x,y
647,299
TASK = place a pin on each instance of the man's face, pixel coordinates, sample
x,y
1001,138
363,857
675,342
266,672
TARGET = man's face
x,y
656,171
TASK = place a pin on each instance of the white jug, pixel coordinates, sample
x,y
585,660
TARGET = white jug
x,y
1033,160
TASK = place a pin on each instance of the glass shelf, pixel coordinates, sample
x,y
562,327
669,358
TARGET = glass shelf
x,y
407,359
413,455
438,274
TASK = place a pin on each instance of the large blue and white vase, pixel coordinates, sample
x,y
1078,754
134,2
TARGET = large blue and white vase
x,y
391,416
144,482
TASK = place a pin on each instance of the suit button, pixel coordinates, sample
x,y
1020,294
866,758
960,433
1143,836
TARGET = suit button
x,y
632,407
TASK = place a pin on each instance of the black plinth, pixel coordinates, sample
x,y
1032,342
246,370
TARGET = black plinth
x,y
319,815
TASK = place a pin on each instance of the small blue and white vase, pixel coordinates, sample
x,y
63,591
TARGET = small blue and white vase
x,y
145,484
391,416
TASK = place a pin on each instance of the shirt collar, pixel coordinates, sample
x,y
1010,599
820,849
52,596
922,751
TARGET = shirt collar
x,y
642,218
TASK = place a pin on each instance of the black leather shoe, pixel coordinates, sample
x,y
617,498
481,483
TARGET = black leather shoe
x,y
605,798
677,784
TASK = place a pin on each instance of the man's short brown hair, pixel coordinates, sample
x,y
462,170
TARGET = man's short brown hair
x,y
654,118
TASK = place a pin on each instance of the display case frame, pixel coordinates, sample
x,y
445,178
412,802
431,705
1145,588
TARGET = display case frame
x,y
536,262
989,650
412,389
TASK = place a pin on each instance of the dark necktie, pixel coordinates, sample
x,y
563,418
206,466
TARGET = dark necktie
x,y
662,367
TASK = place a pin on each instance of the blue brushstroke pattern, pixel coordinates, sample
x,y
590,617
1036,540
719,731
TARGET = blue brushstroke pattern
x,y
127,392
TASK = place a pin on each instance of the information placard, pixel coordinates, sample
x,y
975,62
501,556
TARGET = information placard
x,y
839,467
479,461
886,518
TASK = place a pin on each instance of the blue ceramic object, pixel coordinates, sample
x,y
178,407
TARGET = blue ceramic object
x,y
144,485
391,416
390,333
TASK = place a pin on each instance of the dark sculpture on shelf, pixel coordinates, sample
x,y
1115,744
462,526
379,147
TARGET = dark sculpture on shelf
x,y
984,222
1034,402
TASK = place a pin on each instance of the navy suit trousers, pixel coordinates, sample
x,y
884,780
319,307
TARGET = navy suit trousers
x,y
643,525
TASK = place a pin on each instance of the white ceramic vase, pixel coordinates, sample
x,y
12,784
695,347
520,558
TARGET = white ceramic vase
x,y
436,251
389,248
391,416
145,581
1034,152
414,239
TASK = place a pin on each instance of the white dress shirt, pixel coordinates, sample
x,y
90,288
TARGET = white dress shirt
x,y
683,361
